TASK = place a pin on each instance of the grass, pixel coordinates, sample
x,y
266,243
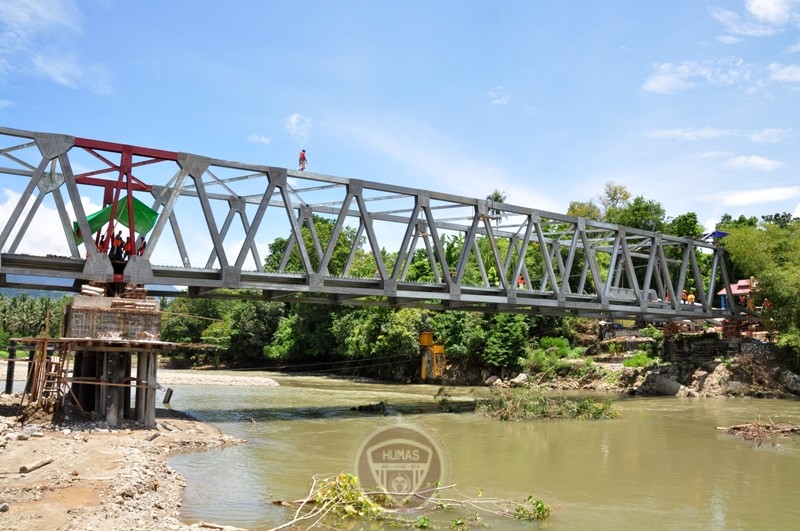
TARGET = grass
x,y
553,357
531,402
640,359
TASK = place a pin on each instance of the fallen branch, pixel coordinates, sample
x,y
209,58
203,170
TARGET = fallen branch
x,y
757,431
31,468
209,525
341,497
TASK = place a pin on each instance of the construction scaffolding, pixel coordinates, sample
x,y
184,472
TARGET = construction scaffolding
x,y
106,338
101,380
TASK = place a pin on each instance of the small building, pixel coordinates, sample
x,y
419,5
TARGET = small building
x,y
739,289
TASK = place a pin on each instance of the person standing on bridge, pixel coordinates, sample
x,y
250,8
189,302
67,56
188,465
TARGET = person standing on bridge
x,y
302,160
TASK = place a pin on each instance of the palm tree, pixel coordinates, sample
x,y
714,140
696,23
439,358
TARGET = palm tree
x,y
496,197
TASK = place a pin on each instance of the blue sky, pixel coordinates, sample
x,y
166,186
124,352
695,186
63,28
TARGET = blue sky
x,y
693,104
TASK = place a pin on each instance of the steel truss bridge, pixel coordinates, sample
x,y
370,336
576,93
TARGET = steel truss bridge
x,y
217,218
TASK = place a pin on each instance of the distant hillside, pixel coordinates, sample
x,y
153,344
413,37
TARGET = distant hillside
x,y
36,293
44,282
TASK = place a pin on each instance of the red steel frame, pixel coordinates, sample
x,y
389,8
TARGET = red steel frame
x,y
112,189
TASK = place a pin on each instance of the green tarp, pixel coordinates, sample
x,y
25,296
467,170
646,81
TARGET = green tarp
x,y
144,218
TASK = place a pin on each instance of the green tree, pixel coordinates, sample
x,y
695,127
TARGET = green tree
x,y
684,225
640,213
585,209
377,332
727,222
304,333
253,325
184,320
506,338
782,220
497,197
615,197
324,230
462,333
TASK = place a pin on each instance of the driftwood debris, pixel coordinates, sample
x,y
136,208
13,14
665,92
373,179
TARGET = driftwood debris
x,y
758,431
31,468
209,525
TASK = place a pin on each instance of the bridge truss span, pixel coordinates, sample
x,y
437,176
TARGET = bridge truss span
x,y
300,236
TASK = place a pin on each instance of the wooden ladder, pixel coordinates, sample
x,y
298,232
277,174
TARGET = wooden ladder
x,y
52,380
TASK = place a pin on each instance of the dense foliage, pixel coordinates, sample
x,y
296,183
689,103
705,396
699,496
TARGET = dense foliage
x,y
769,253
25,316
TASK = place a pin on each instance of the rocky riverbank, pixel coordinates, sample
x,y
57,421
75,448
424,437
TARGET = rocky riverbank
x,y
756,376
83,475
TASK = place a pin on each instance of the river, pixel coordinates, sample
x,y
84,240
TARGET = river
x,y
660,465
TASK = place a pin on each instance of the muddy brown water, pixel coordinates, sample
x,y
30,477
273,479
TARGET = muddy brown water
x,y
661,465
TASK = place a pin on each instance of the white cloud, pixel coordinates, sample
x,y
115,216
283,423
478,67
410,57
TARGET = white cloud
x,y
758,196
298,125
30,34
35,240
691,134
499,96
728,39
763,136
753,162
713,155
793,48
785,74
68,71
735,24
23,17
6,103
669,78
768,136
777,12
258,138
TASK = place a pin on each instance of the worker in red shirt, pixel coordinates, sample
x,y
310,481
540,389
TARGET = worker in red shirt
x,y
302,160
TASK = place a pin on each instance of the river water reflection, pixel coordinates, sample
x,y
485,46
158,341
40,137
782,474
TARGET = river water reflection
x,y
661,465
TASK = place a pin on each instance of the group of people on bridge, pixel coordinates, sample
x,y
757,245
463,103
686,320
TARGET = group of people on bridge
x,y
120,250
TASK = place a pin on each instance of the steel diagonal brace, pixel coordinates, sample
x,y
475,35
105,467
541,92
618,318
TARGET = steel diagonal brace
x,y
187,164
468,244
356,188
251,230
407,246
548,264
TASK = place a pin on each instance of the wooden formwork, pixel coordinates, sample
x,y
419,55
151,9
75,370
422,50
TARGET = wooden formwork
x,y
101,378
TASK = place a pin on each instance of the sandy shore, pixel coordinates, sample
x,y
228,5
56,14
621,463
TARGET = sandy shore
x,y
97,478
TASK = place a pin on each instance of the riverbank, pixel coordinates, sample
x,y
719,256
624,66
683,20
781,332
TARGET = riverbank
x,y
746,375
92,477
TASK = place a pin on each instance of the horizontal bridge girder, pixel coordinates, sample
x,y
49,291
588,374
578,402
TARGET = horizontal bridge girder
x,y
309,237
